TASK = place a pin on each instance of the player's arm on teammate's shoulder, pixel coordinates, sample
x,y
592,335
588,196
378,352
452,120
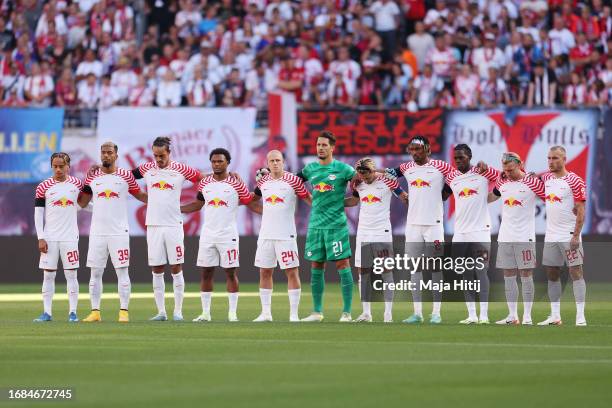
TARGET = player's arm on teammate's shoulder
x,y
141,196
85,196
195,205
255,204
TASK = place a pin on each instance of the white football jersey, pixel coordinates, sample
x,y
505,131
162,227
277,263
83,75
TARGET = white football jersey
x,y
425,184
518,208
279,197
164,189
60,202
470,191
221,201
561,193
374,206
109,195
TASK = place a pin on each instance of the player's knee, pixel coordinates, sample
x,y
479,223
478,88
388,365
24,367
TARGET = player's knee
x,y
525,273
343,264
318,265
266,273
576,272
231,273
176,268
158,269
207,274
553,273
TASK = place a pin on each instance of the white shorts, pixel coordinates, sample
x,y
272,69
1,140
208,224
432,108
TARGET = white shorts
x,y
271,252
516,255
100,246
68,251
223,254
165,245
425,240
559,254
472,236
379,246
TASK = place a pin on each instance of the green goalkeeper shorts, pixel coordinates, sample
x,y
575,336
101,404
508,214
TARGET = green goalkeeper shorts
x,y
327,244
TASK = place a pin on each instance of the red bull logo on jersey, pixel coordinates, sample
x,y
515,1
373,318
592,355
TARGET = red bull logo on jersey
x,y
108,194
553,198
62,202
513,202
467,192
162,185
323,187
274,199
420,183
370,199
217,202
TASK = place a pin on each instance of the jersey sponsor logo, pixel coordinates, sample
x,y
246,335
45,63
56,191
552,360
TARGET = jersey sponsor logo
x,y
162,185
217,202
467,192
553,198
513,202
332,177
108,194
323,187
420,183
274,199
62,202
370,199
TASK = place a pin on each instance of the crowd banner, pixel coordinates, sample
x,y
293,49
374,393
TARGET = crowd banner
x,y
530,133
194,133
27,138
383,135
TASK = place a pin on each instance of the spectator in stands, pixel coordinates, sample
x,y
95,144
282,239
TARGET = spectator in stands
x,y
441,58
488,56
89,66
38,87
142,94
340,91
110,95
575,93
420,43
200,90
168,91
493,91
426,88
369,87
291,78
467,88
65,90
542,87
386,23
123,80
561,39
12,83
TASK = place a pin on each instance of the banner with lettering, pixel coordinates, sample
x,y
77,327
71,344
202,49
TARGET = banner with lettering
x,y
28,136
194,133
530,133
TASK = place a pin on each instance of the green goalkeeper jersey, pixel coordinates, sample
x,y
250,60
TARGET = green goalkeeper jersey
x,y
328,189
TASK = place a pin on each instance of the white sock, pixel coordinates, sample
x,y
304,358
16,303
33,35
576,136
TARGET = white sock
x,y
511,286
72,288
436,308
124,287
48,290
233,301
266,301
484,310
554,294
206,298
159,289
388,307
436,277
417,304
528,290
367,308
294,302
580,296
471,307
95,287
178,282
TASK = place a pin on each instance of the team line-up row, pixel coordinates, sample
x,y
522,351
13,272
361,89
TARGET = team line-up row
x,y
429,182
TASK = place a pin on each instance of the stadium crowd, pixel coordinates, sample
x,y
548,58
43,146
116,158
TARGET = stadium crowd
x,y
93,54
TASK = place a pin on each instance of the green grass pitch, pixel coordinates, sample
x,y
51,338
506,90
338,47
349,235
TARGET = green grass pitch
x,y
281,364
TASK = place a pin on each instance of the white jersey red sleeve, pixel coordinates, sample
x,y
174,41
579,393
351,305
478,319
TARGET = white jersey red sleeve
x,y
60,200
561,195
279,197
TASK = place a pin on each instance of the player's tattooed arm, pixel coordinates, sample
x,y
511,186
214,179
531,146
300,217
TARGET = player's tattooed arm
x,y
255,206
404,197
141,196
194,206
579,213
84,197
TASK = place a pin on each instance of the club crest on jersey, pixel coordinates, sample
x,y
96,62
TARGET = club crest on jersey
x,y
274,199
467,192
332,177
553,198
62,202
323,187
370,199
108,194
420,183
513,202
162,185
217,202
